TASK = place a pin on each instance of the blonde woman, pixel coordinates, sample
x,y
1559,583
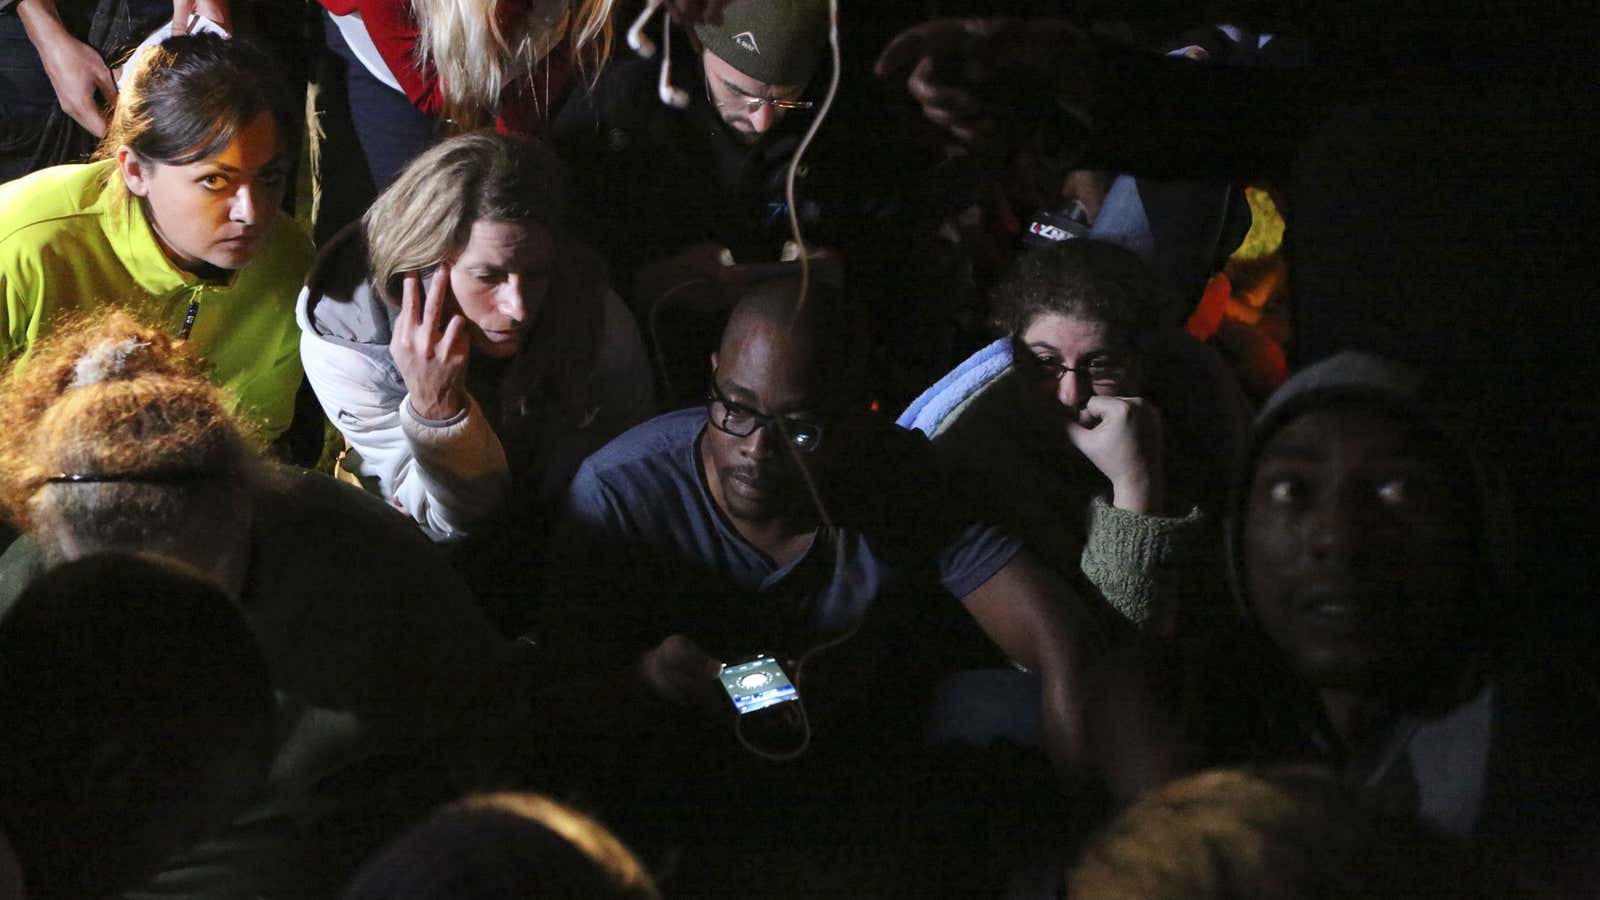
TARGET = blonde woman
x,y
466,350
416,69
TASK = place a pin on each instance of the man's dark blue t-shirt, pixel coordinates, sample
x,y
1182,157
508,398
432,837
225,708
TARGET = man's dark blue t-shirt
x,y
646,526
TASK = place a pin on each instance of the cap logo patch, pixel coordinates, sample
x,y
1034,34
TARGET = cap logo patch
x,y
1049,232
747,40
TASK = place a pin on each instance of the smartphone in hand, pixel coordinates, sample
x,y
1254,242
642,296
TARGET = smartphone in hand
x,y
757,683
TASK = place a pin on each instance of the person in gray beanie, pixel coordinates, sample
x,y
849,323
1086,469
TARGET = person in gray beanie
x,y
1366,547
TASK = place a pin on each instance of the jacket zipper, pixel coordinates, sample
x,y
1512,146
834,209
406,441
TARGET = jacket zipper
x,y
189,316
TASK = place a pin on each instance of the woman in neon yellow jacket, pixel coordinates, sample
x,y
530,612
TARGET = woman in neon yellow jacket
x,y
177,222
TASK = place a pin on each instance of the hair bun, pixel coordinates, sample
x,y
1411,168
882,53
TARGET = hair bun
x,y
107,360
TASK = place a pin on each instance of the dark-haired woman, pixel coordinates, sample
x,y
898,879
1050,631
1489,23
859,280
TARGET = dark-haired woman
x,y
178,221
1101,437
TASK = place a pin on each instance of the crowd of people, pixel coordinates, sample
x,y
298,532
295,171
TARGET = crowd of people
x,y
535,448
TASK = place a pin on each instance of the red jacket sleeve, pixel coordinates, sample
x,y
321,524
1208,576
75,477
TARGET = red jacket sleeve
x,y
394,33
525,108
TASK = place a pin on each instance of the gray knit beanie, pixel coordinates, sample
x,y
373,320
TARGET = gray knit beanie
x,y
772,41
1358,376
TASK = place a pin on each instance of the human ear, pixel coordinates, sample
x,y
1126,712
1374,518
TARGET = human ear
x,y
135,172
713,362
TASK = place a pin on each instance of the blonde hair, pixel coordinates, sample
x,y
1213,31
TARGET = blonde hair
x,y
426,217
1284,832
108,396
502,846
590,837
477,55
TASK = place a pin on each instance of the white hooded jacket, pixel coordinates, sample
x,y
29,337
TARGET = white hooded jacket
x,y
450,474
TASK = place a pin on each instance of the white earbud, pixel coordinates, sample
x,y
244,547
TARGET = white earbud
x,y
675,97
670,94
638,41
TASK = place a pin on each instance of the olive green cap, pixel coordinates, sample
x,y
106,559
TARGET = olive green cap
x,y
772,41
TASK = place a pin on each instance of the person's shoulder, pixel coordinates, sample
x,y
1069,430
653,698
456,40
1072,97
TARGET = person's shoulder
x,y
629,77
72,187
665,435
644,481
301,503
659,447
1551,694
955,396
987,417
620,106
37,208
317,493
622,87
339,303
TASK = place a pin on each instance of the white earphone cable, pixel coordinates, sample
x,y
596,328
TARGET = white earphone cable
x,y
805,143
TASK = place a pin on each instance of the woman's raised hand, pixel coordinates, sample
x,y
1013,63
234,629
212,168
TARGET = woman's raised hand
x,y
431,351
1122,437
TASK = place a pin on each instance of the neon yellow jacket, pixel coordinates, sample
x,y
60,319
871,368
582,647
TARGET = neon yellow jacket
x,y
69,244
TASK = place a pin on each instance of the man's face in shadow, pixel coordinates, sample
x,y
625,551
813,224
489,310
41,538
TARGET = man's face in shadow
x,y
764,381
1358,548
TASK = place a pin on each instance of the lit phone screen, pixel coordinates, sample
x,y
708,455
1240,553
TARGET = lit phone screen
x,y
757,684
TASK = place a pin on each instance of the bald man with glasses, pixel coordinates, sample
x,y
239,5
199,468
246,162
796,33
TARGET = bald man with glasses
x,y
782,516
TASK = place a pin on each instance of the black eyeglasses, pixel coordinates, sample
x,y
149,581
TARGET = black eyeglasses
x,y
1103,371
742,421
